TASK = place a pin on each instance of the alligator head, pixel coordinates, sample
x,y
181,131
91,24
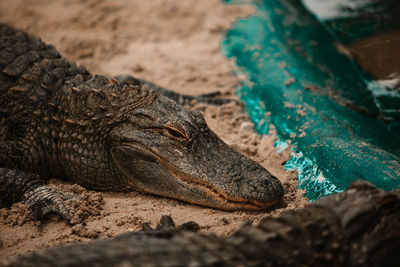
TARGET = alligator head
x,y
159,147
167,150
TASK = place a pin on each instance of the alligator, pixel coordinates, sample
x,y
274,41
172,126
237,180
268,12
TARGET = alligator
x,y
181,99
58,120
357,227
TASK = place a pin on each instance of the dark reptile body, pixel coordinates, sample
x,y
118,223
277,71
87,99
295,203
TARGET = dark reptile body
x,y
57,120
37,123
358,227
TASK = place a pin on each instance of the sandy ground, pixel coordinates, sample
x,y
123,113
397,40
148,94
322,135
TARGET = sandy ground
x,y
174,44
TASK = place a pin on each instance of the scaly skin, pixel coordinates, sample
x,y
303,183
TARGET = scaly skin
x,y
181,99
358,227
57,120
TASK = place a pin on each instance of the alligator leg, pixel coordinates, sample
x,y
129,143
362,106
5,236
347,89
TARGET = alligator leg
x,y
181,99
19,186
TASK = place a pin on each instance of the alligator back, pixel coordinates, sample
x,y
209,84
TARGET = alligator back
x,y
31,74
53,113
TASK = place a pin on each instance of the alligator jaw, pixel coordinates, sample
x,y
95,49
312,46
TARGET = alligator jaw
x,y
221,200
173,180
225,202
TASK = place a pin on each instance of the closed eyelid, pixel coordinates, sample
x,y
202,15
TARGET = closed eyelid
x,y
178,130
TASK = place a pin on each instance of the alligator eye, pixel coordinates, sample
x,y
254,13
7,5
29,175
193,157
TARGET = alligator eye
x,y
176,133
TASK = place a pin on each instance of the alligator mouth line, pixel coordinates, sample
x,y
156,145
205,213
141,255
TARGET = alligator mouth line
x,y
227,203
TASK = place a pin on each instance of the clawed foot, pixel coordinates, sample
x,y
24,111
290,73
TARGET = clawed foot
x,y
19,186
43,201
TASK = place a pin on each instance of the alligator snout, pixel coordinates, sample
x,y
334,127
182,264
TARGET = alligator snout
x,y
256,186
227,179
245,184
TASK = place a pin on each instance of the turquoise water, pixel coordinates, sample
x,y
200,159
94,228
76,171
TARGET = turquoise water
x,y
317,97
